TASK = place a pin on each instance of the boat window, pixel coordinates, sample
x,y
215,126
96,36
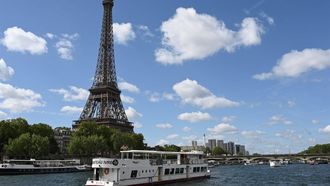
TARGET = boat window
x,y
167,171
123,172
177,171
194,169
172,171
134,173
181,170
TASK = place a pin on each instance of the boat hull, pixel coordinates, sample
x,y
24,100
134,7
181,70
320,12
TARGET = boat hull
x,y
103,183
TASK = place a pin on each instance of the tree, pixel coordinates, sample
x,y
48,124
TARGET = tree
x,y
172,148
39,146
218,151
318,149
45,130
19,146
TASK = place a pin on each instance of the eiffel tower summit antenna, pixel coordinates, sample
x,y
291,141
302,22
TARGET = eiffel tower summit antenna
x,y
104,105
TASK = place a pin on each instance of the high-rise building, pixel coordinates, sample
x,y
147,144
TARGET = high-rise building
x,y
231,148
220,144
212,143
194,144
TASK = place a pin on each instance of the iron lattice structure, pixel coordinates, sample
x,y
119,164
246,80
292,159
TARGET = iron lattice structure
x,y
104,105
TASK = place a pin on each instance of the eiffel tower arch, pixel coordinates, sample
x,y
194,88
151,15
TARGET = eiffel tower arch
x,y
104,105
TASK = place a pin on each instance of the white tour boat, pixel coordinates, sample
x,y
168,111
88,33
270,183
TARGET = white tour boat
x,y
141,167
32,166
275,163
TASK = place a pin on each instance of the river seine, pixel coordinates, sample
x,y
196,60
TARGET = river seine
x,y
299,174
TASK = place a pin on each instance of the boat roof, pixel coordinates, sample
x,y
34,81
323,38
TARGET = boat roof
x,y
163,152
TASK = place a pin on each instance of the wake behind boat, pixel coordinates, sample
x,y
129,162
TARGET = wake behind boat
x,y
141,167
32,166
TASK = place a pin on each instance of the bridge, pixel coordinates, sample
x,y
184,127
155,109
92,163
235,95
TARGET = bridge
x,y
267,157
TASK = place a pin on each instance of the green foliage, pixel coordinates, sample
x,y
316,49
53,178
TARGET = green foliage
x,y
218,151
28,146
91,139
318,149
169,148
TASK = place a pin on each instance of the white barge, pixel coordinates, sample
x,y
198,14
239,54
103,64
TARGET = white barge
x,y
32,166
141,167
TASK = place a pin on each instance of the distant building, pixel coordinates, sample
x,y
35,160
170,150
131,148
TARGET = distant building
x,y
190,148
221,144
231,148
212,143
225,147
62,136
194,144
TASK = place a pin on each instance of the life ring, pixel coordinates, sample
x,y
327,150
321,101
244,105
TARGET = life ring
x,y
115,162
106,171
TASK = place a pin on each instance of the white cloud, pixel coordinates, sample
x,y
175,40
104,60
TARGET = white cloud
x,y
279,119
146,31
162,142
3,115
18,100
65,46
6,72
17,40
132,114
189,138
252,134
314,121
74,94
156,96
50,35
192,36
193,93
223,128
291,104
123,33
186,129
269,19
164,125
172,136
128,87
295,63
127,99
137,125
326,129
194,117
71,109
228,119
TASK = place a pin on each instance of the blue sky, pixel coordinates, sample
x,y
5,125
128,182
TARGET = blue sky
x,y
253,72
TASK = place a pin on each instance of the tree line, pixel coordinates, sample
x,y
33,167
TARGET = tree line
x,y
318,149
20,140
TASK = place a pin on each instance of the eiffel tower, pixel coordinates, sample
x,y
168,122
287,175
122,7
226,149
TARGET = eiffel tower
x,y
104,105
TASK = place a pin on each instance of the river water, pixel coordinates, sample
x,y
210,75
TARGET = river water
x,y
299,174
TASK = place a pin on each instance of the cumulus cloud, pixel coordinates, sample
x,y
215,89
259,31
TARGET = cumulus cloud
x,y
132,114
50,35
128,87
228,119
295,63
252,134
194,117
3,115
164,125
156,96
71,109
172,136
123,33
127,99
6,71
145,31
65,46
315,121
18,40
18,100
195,94
326,129
279,119
189,35
223,128
186,129
73,94
162,142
